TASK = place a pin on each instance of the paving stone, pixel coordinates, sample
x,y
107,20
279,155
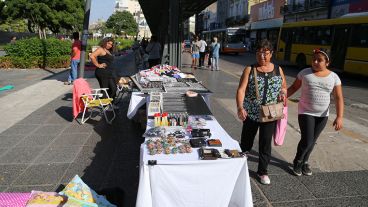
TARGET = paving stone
x,y
7,141
34,119
285,188
356,181
79,128
60,118
3,188
325,185
90,174
3,151
42,174
20,129
9,173
262,204
257,197
19,155
49,130
36,141
29,188
58,155
328,202
94,157
67,140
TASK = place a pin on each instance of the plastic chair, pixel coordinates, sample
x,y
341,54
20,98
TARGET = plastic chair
x,y
92,101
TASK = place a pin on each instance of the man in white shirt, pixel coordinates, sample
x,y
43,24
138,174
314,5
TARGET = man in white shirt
x,y
202,52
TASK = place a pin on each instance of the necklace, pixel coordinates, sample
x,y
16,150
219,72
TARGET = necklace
x,y
266,74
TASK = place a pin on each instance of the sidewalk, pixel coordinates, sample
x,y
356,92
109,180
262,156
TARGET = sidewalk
x,y
42,148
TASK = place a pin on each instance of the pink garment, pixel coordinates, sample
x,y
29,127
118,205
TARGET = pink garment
x,y
80,87
14,199
280,130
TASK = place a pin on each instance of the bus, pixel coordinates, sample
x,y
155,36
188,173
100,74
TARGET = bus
x,y
345,38
231,39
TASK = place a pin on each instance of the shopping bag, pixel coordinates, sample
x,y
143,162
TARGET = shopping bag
x,y
280,131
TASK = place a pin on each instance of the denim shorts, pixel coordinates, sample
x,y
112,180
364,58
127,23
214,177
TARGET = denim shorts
x,y
195,55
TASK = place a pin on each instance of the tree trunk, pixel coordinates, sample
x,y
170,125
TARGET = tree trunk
x,y
39,33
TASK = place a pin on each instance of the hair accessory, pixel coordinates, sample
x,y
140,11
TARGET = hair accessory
x,y
323,51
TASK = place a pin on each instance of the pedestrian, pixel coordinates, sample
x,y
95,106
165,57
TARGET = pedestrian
x,y
271,87
215,54
316,83
202,52
194,50
103,59
75,59
154,52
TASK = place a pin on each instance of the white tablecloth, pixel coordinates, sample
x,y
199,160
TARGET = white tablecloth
x,y
138,99
183,180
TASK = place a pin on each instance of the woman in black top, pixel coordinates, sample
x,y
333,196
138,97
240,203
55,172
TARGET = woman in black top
x,y
103,59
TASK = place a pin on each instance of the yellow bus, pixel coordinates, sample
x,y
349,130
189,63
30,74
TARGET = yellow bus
x,y
346,38
231,39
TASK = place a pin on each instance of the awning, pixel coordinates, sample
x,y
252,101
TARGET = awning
x,y
156,11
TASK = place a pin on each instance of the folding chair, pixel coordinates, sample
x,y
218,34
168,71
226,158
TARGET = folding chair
x,y
92,100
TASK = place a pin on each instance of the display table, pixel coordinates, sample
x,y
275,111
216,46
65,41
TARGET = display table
x,y
184,180
138,99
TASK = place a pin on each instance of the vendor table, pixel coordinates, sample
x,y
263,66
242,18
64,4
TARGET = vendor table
x,y
138,99
184,180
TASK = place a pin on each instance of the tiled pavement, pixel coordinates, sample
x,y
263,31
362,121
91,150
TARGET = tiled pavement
x,y
46,149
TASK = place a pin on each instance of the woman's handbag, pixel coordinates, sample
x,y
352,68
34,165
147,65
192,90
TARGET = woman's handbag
x,y
269,112
280,131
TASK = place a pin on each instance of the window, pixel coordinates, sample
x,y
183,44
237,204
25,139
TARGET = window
x,y
360,36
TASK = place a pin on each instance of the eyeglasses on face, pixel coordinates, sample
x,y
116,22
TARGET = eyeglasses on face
x,y
264,53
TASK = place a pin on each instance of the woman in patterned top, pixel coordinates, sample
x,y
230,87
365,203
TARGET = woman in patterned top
x,y
272,88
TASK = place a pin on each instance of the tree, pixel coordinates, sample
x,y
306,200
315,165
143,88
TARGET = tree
x,y
122,22
42,14
14,25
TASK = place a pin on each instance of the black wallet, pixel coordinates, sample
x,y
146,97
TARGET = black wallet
x,y
201,133
208,154
197,142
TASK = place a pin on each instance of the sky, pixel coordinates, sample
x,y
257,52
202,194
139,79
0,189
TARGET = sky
x,y
101,9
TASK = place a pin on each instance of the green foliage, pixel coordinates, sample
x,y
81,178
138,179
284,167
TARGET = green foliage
x,y
124,43
37,53
122,22
52,14
14,25
32,47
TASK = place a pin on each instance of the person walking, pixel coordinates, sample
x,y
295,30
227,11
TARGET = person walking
x,y
202,52
271,87
215,54
154,52
194,50
75,59
102,58
316,83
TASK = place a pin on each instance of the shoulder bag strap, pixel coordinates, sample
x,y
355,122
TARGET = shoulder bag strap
x,y
255,81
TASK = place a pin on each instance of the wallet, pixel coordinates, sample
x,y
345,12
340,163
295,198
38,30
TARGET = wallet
x,y
201,133
208,154
214,143
234,153
197,142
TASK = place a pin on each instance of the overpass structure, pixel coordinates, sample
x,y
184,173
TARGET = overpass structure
x,y
165,19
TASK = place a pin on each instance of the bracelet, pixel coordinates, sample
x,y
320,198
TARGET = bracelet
x,y
240,108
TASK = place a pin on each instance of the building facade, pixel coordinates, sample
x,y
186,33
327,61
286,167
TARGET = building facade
x,y
134,8
265,21
304,10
